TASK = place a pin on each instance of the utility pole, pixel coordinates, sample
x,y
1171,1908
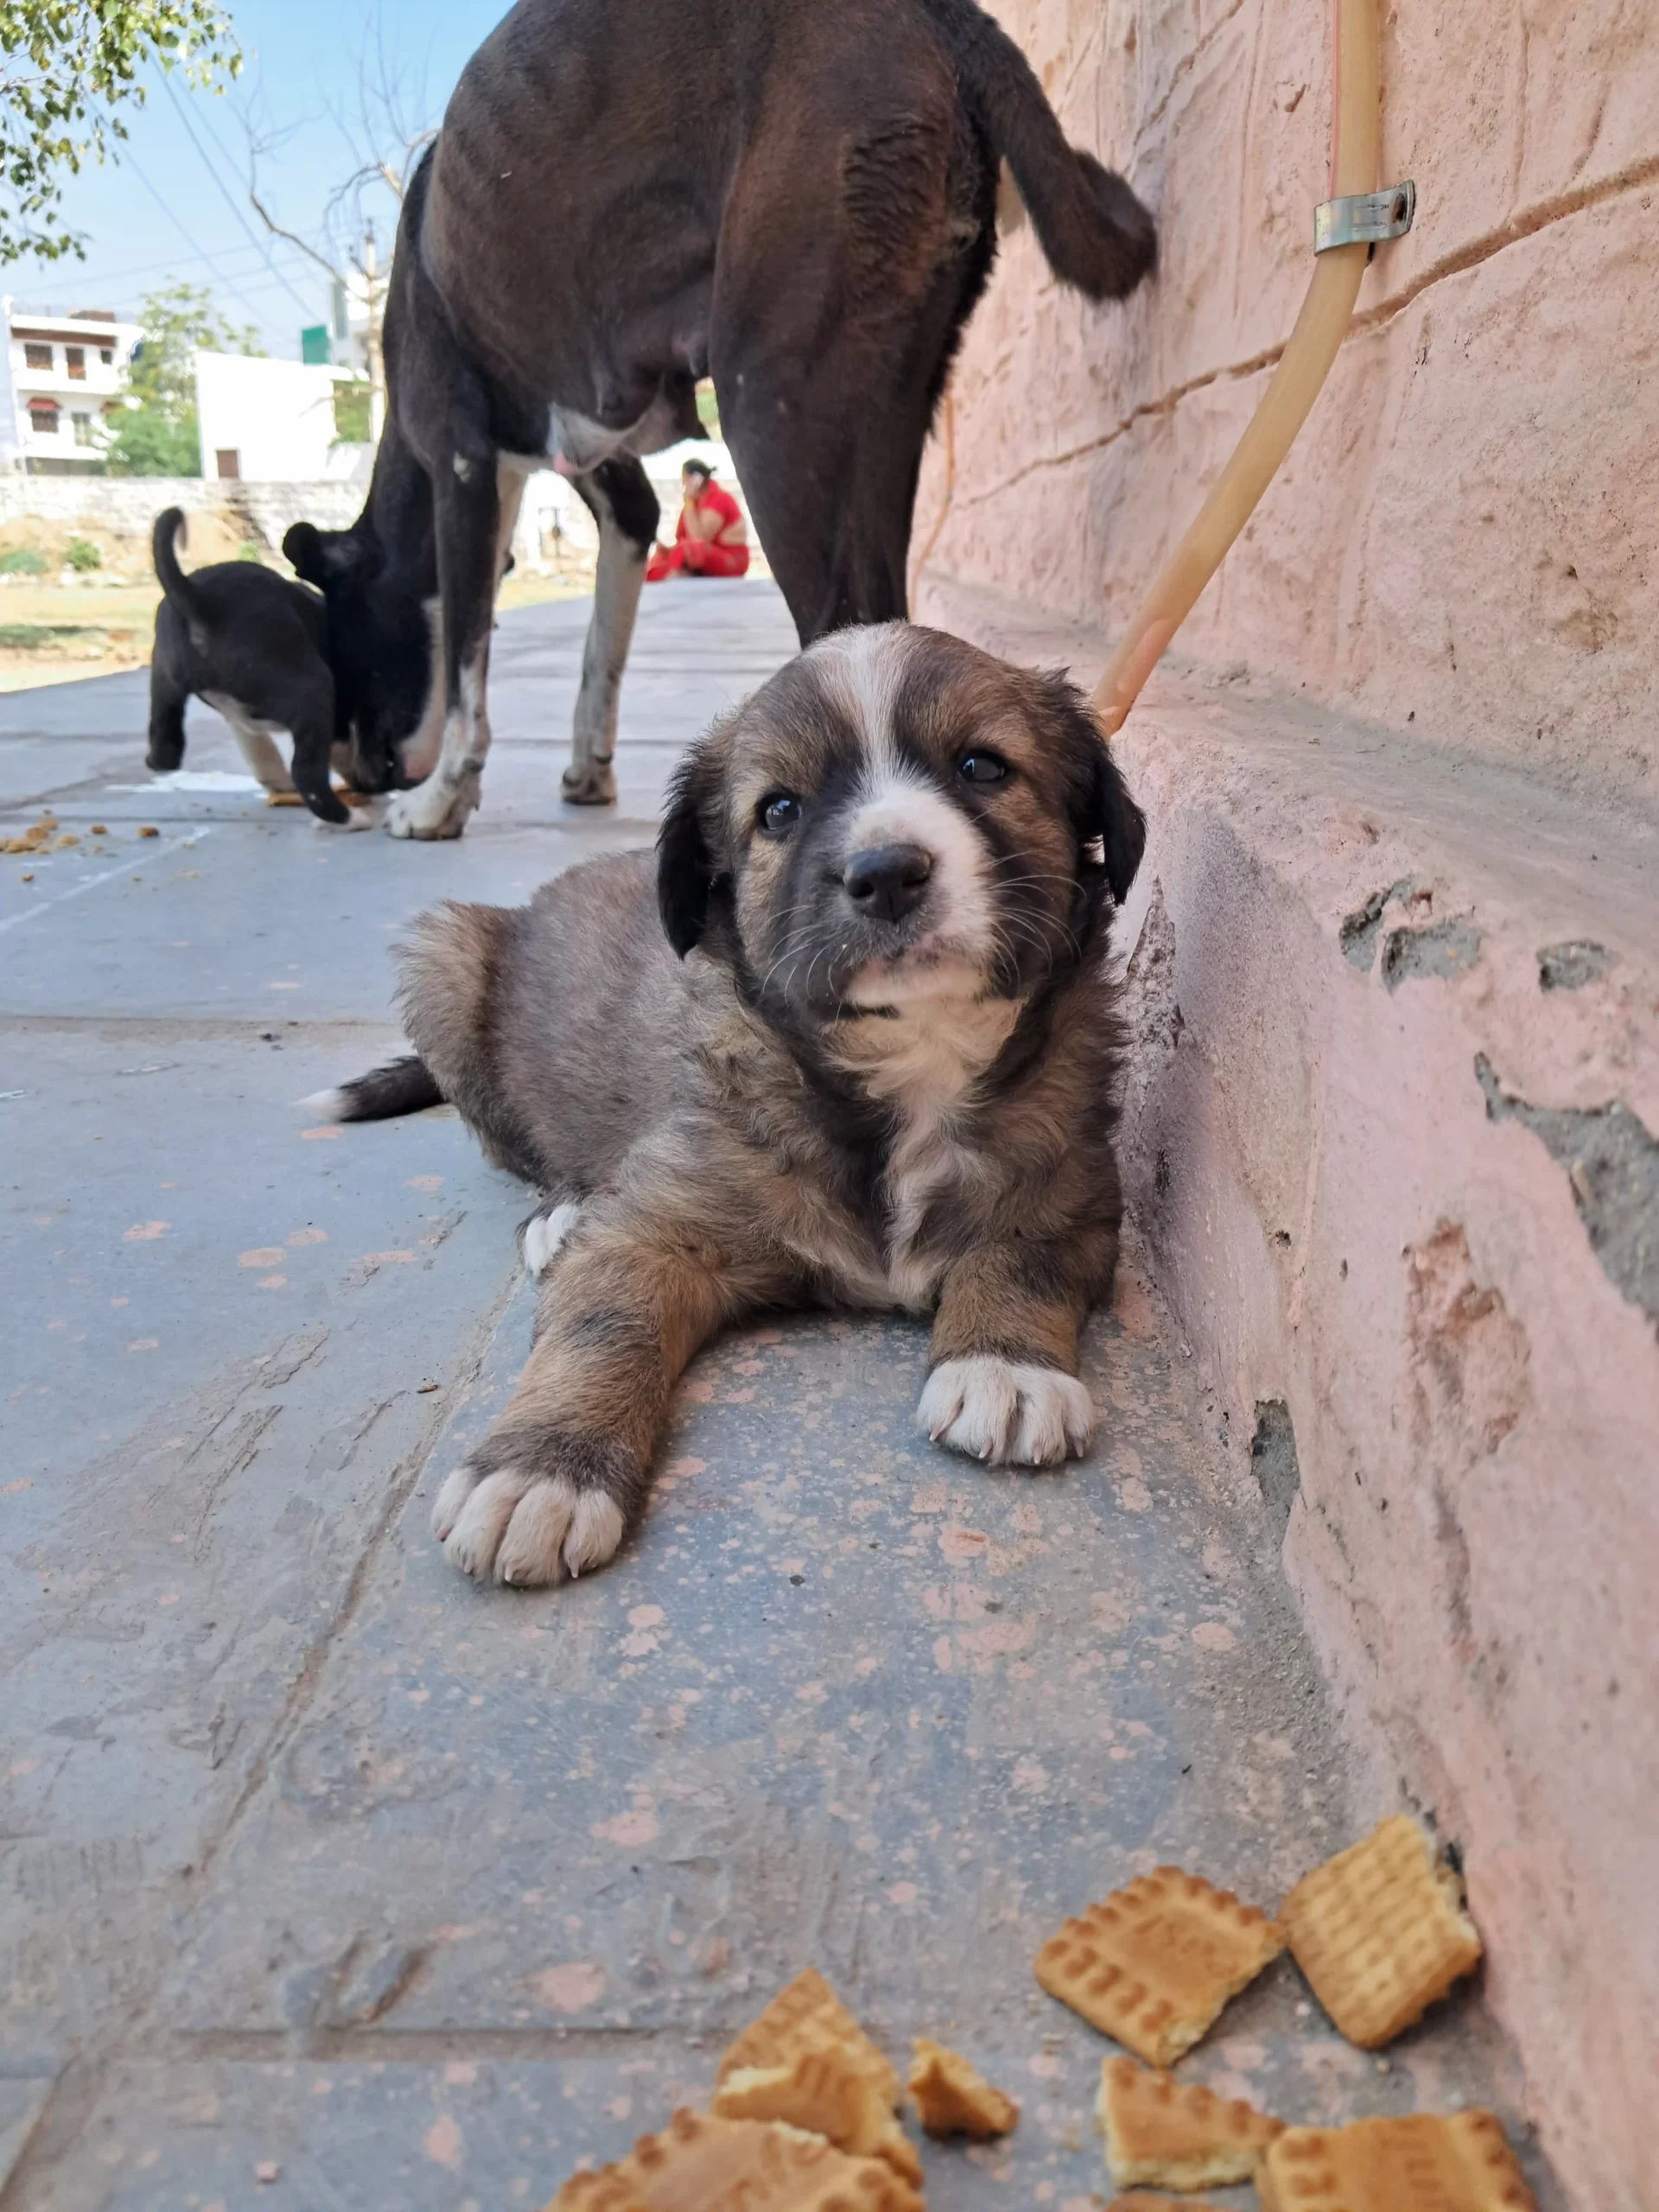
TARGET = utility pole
x,y
371,344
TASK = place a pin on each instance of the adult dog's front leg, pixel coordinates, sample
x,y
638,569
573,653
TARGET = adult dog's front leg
x,y
474,514
619,497
567,1466
1003,1383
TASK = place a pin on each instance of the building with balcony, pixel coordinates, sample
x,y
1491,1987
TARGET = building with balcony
x,y
61,375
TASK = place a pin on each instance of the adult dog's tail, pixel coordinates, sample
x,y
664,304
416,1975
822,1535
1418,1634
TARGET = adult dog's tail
x,y
1093,231
173,581
403,1086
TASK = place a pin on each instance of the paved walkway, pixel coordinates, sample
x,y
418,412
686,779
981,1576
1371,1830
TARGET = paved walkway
x,y
317,1861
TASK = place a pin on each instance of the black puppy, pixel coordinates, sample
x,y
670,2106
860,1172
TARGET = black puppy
x,y
255,647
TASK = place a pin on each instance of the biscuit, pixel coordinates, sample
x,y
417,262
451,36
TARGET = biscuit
x,y
829,2092
954,2098
608,2190
806,2015
1152,1964
1380,1931
1143,2201
1420,2163
699,2163
1175,2133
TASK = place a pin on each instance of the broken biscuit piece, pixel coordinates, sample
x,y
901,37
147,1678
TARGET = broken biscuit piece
x,y
954,2098
1150,2201
830,2091
700,2164
1153,1964
1380,1932
1175,2133
807,2014
1423,2163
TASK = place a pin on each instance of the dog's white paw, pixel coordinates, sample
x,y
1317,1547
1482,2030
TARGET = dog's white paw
x,y
356,818
592,783
545,1235
523,1529
1005,1411
432,810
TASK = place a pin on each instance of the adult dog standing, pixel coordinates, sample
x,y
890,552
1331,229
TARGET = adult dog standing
x,y
586,238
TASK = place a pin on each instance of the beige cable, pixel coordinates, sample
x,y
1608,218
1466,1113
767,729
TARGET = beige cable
x,y
1356,135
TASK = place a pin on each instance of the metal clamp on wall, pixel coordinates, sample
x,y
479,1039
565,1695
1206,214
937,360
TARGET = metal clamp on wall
x,y
1365,218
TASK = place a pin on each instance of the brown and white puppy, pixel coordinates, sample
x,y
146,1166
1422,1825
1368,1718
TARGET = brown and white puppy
x,y
854,1044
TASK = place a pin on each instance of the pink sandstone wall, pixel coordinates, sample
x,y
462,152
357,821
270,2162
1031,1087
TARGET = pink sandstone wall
x,y
1467,535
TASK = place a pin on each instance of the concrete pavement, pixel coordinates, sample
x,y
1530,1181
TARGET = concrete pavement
x,y
315,1858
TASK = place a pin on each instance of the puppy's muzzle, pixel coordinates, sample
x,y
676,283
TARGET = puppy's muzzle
x,y
888,882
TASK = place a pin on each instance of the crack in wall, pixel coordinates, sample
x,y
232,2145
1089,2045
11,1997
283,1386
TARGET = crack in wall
x,y
1559,207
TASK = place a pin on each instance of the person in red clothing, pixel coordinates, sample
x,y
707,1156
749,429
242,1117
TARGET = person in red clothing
x,y
709,538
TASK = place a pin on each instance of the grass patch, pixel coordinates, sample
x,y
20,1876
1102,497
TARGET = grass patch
x,y
29,637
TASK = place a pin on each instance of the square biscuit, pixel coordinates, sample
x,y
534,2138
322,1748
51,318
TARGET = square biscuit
x,y
1142,2200
954,2098
700,2164
1424,2163
1174,2133
1152,1964
1380,1932
828,2092
807,2014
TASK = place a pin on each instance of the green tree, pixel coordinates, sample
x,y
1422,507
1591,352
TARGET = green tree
x,y
155,434
67,67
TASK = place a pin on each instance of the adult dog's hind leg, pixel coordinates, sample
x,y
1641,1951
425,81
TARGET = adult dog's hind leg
x,y
475,508
619,497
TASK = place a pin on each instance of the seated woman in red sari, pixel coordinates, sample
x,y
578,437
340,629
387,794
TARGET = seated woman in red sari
x,y
709,538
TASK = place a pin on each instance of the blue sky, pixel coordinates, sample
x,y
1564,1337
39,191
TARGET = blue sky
x,y
157,212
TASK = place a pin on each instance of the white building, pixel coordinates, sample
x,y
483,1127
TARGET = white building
x,y
268,422
61,374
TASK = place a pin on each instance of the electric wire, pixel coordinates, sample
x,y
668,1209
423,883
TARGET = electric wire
x,y
225,193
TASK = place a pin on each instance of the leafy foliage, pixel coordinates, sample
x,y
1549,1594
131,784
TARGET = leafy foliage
x,y
156,433
351,413
67,69
22,561
82,556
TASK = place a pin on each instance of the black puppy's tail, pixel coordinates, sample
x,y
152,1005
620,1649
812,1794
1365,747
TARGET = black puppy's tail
x,y
403,1086
173,581
1093,231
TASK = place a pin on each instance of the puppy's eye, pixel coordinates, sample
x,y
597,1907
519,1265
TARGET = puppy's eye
x,y
981,768
778,813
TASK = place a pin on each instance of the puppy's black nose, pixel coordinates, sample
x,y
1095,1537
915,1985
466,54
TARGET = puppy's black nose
x,y
887,881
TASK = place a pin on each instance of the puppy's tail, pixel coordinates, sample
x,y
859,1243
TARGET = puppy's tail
x,y
404,1086
1093,231
178,587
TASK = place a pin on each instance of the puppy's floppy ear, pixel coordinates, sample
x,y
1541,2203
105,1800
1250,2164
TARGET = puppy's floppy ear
x,y
686,867
322,556
1101,805
303,550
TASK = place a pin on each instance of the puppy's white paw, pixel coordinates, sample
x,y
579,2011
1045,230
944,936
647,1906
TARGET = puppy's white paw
x,y
545,1235
1005,1411
457,1487
432,810
523,1529
356,818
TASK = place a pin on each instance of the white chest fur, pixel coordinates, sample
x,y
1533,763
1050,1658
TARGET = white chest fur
x,y
925,1060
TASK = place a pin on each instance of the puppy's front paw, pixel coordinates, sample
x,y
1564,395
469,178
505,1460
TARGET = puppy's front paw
x,y
1005,1411
524,1529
